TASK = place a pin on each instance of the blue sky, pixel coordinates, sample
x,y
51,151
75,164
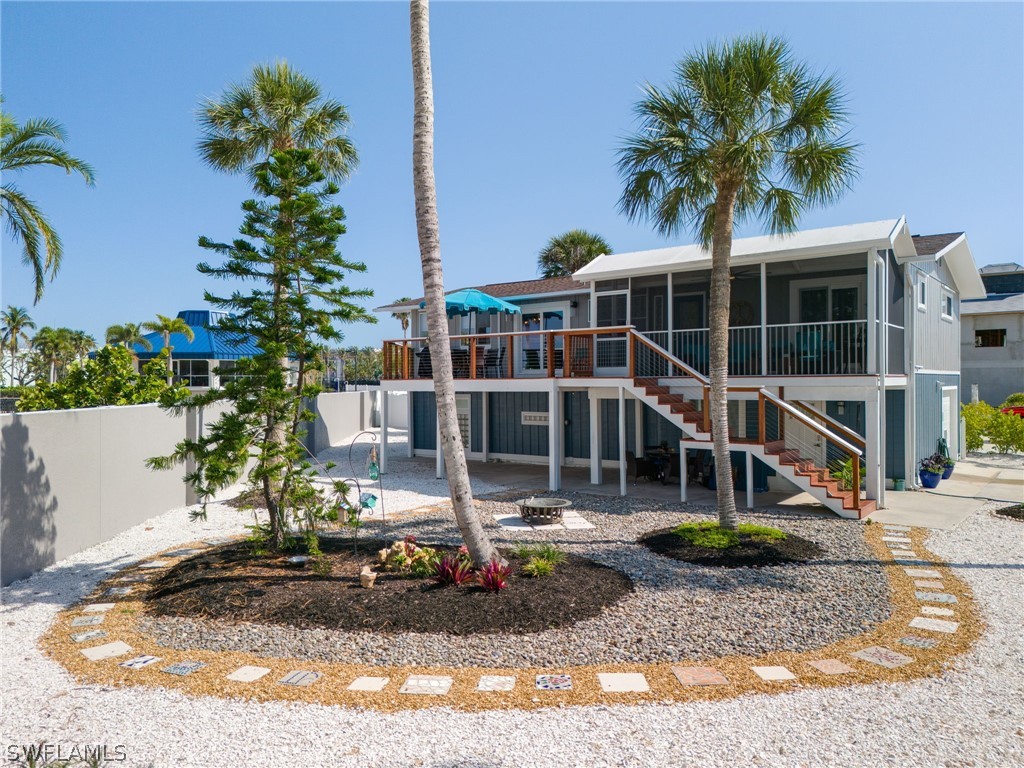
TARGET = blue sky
x,y
532,101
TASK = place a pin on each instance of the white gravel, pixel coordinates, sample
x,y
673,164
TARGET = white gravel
x,y
968,717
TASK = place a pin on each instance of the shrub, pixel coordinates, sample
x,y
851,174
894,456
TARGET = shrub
x,y
536,567
409,558
1006,431
1016,399
976,418
546,552
494,576
711,536
935,463
453,569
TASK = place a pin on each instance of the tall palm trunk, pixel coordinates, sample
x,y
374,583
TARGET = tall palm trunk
x,y
721,249
480,547
170,365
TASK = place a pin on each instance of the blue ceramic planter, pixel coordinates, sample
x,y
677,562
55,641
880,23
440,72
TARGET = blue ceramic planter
x,y
930,479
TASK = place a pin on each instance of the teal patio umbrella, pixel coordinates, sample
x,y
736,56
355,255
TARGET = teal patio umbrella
x,y
471,300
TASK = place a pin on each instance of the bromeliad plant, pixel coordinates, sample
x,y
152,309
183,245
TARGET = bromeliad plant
x,y
454,570
288,249
494,576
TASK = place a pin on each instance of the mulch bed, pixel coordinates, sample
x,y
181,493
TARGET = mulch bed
x,y
232,584
751,552
1014,511
247,500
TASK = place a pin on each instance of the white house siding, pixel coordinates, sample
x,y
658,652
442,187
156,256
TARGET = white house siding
x,y
936,340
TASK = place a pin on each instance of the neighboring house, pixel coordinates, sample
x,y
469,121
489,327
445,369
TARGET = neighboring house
x,y
992,337
843,346
195,361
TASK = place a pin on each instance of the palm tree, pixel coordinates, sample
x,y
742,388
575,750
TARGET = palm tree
x,y
15,322
166,326
81,344
570,251
37,142
54,349
479,546
277,108
742,132
127,336
403,317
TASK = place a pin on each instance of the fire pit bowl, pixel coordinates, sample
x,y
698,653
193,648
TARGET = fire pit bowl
x,y
538,510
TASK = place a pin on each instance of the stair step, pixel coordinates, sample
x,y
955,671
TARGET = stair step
x,y
774,447
654,390
645,382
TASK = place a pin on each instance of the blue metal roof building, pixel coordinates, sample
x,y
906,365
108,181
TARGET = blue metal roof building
x,y
209,343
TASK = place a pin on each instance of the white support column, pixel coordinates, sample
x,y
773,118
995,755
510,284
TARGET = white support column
x,y
555,431
382,461
872,315
764,319
638,427
669,318
872,439
595,438
409,449
438,454
750,480
485,429
622,441
682,473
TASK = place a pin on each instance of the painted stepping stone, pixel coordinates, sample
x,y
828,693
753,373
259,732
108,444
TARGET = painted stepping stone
x,y
936,597
139,662
554,683
623,682
92,634
923,573
107,651
931,610
922,643
300,678
934,625
369,683
773,673
883,657
87,621
183,668
928,583
496,683
118,591
247,674
831,666
155,564
699,676
426,685
98,607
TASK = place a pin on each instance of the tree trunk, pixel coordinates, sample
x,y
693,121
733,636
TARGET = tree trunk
x,y
479,545
170,366
721,250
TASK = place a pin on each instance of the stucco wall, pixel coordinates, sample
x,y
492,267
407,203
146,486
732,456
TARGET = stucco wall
x,y
998,371
339,415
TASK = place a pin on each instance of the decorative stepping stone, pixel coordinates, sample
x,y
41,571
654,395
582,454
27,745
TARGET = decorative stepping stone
x,y
928,584
155,564
426,685
931,610
369,683
183,668
883,657
496,683
217,542
912,563
831,666
773,674
98,607
248,674
934,625
903,553
107,651
891,527
936,597
139,662
87,621
300,678
623,682
897,539
181,553
554,682
92,634
922,573
118,591
922,643
699,676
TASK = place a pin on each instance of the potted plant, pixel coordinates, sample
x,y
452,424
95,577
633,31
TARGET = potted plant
x,y
947,467
931,471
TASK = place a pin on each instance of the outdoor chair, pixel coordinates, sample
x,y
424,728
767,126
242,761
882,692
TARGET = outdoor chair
x,y
494,364
424,366
809,351
641,468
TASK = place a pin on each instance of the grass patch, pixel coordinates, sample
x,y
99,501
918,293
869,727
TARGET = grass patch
x,y
712,536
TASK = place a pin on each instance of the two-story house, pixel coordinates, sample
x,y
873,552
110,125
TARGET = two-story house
x,y
843,360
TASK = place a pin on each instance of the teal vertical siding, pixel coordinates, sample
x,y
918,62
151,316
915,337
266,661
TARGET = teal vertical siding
x,y
610,428
424,421
895,434
476,422
658,430
576,408
507,433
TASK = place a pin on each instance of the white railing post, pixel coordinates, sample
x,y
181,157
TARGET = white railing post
x,y
764,319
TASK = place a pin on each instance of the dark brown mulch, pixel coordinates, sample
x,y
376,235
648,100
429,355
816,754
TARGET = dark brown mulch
x,y
751,552
248,500
1014,511
232,584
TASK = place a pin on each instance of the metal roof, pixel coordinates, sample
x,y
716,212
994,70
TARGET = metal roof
x,y
209,343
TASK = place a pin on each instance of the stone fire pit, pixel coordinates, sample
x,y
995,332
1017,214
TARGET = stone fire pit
x,y
540,510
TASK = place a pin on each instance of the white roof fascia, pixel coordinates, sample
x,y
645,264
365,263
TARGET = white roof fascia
x,y
902,241
960,261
